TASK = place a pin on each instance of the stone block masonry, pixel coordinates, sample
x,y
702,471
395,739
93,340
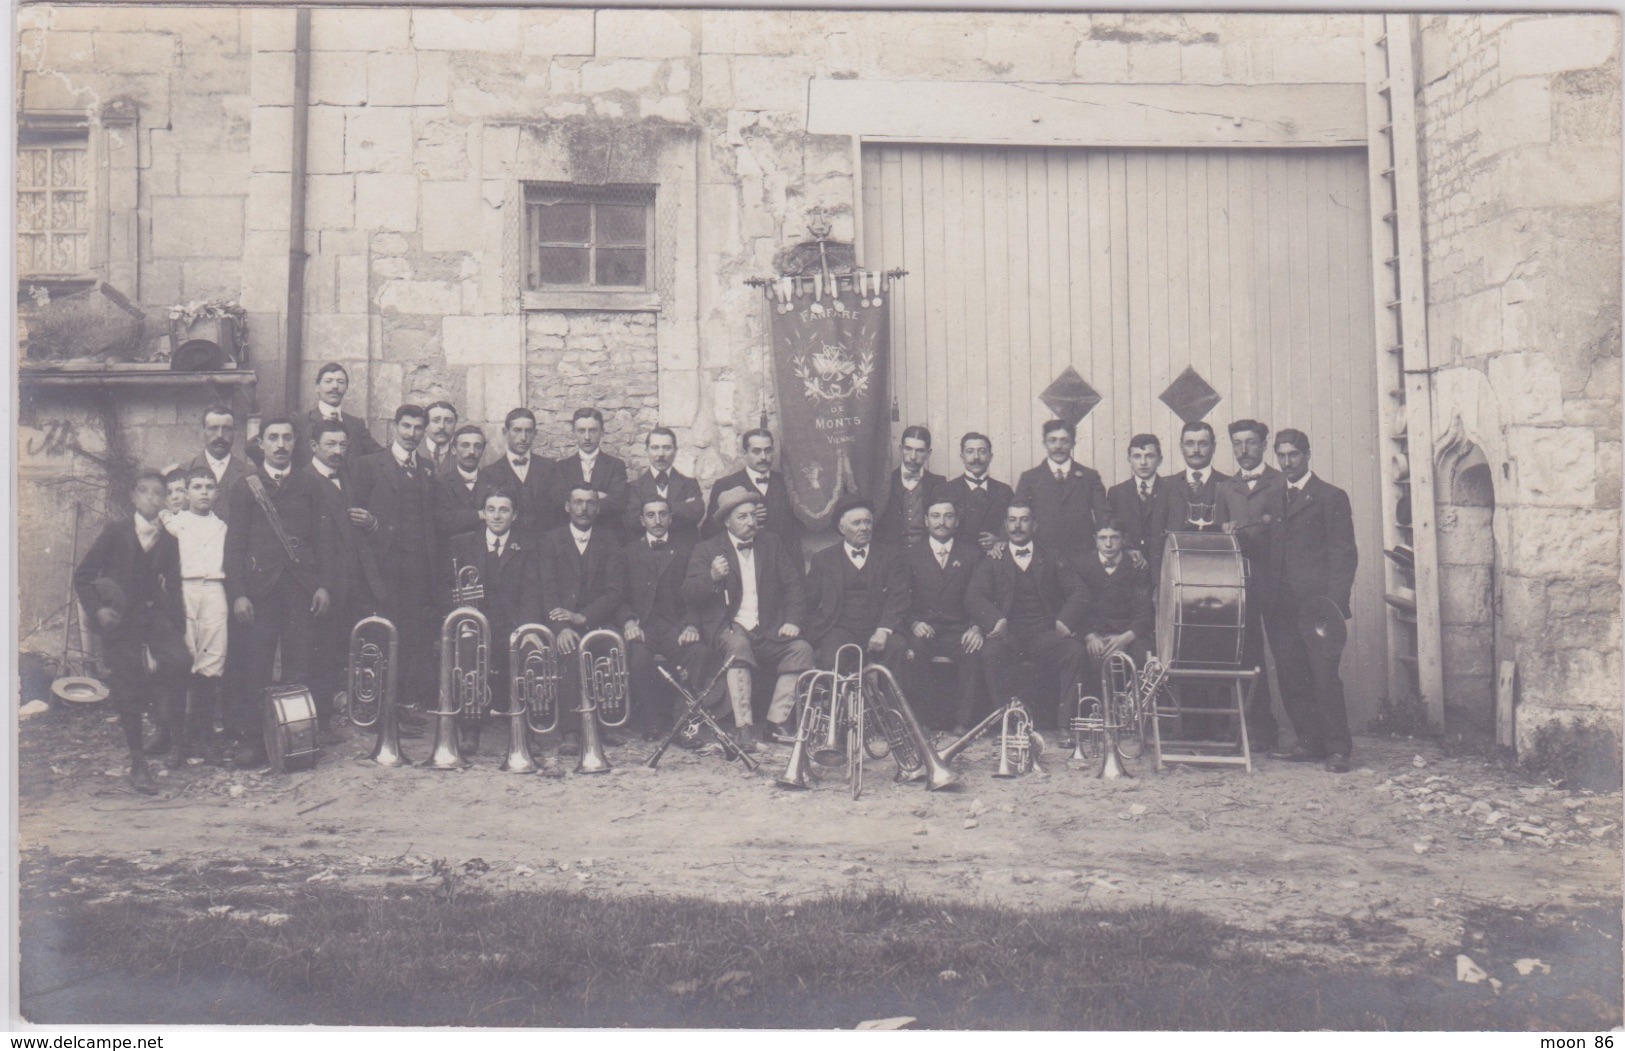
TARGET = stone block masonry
x,y
605,361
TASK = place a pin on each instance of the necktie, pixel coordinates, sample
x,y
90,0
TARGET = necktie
x,y
662,480
942,558
1194,481
1060,475
496,547
1252,482
1292,494
276,480
1145,490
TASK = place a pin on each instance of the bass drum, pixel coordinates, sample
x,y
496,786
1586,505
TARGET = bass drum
x,y
1201,601
290,728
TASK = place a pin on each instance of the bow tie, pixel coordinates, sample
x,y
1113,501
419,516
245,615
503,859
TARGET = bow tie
x,y
277,479
979,484
744,545
659,545
1021,552
860,552
520,463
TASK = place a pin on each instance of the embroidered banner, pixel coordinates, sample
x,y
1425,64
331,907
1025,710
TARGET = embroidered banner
x,y
831,346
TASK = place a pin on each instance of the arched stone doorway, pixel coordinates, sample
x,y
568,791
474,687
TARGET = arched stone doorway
x,y
1469,598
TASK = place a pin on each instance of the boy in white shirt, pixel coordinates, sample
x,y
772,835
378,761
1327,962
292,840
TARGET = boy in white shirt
x,y
202,538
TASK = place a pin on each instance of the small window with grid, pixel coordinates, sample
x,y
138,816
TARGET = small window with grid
x,y
589,237
53,205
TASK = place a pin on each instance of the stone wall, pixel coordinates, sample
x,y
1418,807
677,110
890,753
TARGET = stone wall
x,y
1520,130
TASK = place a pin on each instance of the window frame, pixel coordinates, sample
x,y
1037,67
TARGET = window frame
x,y
537,295
36,130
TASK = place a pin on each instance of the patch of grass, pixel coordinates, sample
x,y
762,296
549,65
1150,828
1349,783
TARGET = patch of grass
x,y
445,953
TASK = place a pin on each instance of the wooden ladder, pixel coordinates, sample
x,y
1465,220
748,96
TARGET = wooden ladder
x,y
1415,660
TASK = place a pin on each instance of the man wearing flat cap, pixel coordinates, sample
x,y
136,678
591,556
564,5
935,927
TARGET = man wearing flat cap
x,y
858,592
745,589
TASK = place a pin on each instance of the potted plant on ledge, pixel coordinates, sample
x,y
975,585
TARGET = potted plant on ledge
x,y
208,334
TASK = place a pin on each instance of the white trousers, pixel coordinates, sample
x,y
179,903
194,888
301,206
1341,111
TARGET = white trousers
x,y
206,617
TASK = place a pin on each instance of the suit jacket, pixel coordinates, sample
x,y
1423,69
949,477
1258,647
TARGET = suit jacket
x,y
654,586
826,588
687,506
1119,601
1123,500
1174,503
780,597
1255,512
510,582
354,565
890,527
539,513
1066,511
446,462
978,512
237,468
382,487
362,443
781,516
590,584
993,589
938,592
255,559
456,509
117,555
1314,552
608,477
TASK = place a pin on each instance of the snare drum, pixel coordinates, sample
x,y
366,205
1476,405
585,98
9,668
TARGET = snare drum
x,y
290,728
1201,601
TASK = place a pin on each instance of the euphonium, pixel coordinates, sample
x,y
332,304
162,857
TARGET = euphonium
x,y
885,703
1019,745
799,774
1120,685
605,699
534,688
373,668
465,661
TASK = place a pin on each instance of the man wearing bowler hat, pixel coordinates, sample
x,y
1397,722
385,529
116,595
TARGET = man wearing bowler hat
x,y
746,590
858,591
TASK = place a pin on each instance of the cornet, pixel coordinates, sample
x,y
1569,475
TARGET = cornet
x,y
466,588
1003,716
605,697
465,661
374,665
1019,745
533,695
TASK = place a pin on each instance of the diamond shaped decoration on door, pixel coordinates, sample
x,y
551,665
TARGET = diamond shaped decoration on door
x,y
1070,397
1190,396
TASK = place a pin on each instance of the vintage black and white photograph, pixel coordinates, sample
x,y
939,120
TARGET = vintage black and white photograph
x,y
718,518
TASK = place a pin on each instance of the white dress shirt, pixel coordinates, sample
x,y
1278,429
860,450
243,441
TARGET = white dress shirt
x,y
1023,556
941,550
278,476
1061,471
520,467
758,480
468,479
402,457
501,542
856,556
219,467
1197,479
328,473
202,540
146,532
749,615
978,484
581,539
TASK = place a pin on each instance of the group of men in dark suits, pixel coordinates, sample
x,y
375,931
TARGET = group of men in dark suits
x,y
969,572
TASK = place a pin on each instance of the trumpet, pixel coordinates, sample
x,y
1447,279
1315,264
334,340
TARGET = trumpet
x,y
605,697
371,697
466,588
905,739
1019,745
533,693
465,661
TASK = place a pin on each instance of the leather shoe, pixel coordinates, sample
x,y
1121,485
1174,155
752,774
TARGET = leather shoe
x,y
1337,763
1296,755
141,778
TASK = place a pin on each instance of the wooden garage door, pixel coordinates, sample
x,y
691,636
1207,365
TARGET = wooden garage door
x,y
1252,266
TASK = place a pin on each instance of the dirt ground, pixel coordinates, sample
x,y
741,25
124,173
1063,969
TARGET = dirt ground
x,y
1362,867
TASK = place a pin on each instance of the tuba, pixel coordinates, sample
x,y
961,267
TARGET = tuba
x,y
533,693
884,703
605,697
813,689
1019,745
465,661
374,665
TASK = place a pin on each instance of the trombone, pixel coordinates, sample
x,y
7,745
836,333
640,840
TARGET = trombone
x,y
533,695
465,661
605,695
371,696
